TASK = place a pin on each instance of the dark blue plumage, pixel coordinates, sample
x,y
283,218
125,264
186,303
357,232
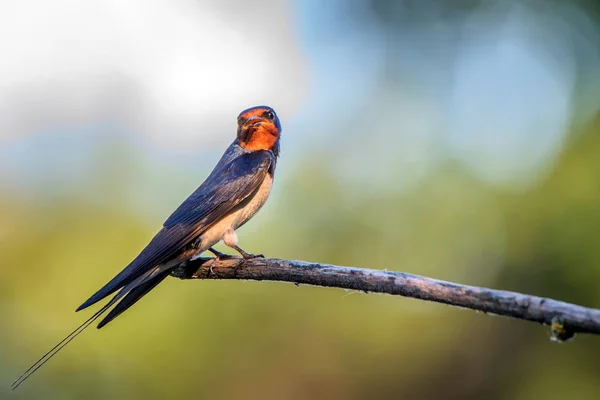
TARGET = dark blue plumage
x,y
235,190
236,176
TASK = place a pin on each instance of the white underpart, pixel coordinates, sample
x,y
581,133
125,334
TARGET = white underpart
x,y
230,238
226,227
222,230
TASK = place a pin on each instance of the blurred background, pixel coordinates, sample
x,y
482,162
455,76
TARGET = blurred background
x,y
454,139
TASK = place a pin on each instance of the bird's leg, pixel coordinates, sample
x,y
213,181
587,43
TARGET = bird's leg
x,y
245,255
230,239
219,255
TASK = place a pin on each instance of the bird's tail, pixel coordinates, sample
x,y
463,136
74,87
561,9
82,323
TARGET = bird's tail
x,y
135,294
46,357
131,293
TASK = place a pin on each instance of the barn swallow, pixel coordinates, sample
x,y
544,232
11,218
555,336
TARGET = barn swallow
x,y
232,194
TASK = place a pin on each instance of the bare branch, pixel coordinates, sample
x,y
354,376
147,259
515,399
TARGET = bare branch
x,y
565,319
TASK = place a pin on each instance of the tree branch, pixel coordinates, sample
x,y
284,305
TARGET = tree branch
x,y
565,319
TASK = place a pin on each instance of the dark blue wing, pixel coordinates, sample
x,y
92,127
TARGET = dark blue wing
x,y
133,296
228,185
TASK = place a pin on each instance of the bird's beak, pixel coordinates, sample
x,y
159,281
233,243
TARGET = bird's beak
x,y
253,121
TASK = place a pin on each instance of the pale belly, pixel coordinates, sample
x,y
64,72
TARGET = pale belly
x,y
237,218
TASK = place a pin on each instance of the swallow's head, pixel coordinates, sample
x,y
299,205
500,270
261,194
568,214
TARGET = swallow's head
x,y
259,129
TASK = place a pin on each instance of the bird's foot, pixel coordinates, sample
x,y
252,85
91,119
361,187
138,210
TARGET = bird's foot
x,y
210,267
219,255
247,256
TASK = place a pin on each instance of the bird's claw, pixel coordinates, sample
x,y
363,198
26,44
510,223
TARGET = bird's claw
x,y
210,267
210,270
249,256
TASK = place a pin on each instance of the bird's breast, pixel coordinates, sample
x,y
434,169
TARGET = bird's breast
x,y
251,207
239,216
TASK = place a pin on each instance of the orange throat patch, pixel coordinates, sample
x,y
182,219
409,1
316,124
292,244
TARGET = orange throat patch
x,y
262,138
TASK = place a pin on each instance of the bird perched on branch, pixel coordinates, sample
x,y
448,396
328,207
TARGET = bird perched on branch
x,y
232,194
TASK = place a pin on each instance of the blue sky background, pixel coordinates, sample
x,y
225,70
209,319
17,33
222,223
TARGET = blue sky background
x,y
492,89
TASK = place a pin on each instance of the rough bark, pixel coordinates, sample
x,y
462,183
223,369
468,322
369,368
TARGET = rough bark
x,y
565,319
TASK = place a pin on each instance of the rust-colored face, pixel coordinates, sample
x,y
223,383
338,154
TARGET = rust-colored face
x,y
258,128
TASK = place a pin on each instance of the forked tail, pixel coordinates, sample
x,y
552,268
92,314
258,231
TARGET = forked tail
x,y
130,295
57,348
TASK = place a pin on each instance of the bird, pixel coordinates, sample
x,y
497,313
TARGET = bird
x,y
231,195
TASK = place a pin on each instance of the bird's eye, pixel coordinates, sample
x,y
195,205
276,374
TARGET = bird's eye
x,y
269,115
